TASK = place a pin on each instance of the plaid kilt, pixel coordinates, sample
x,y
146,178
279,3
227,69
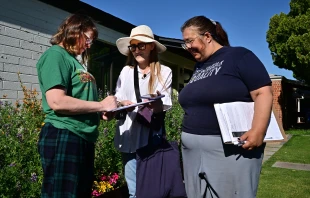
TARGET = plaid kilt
x,y
68,163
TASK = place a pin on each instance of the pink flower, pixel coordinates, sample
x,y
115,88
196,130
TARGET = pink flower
x,y
113,179
95,193
115,176
103,178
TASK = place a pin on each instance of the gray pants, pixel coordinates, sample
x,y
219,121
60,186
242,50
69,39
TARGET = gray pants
x,y
230,171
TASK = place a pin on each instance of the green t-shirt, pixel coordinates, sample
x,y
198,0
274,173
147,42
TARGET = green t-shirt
x,y
57,67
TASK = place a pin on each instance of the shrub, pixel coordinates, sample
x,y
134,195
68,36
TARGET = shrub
x,y
107,160
20,168
173,121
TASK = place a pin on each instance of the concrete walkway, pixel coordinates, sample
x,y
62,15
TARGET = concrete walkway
x,y
272,147
294,166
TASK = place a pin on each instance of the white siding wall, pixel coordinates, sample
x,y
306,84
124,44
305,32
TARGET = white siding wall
x,y
25,29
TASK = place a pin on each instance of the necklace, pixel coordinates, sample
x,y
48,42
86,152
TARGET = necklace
x,y
144,75
145,72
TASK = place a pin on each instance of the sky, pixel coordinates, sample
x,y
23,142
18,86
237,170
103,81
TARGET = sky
x,y
245,21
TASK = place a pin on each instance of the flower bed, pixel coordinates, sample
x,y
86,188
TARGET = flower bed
x,y
105,184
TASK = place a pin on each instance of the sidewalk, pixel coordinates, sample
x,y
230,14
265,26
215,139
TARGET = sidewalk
x,y
272,147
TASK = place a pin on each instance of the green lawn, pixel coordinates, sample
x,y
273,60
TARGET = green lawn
x,y
287,183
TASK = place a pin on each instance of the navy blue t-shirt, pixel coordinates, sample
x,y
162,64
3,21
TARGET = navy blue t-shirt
x,y
229,75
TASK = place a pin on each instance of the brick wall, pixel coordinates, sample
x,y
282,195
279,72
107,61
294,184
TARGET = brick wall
x,y
24,36
277,94
25,29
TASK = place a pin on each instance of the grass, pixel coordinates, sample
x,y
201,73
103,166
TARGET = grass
x,y
287,183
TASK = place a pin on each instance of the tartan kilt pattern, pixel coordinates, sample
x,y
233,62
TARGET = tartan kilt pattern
x,y
68,163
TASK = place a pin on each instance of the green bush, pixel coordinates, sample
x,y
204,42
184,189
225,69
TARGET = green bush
x,y
20,168
173,121
107,158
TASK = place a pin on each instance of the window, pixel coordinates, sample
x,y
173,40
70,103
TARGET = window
x,y
105,64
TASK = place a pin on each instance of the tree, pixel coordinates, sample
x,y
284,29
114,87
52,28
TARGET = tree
x,y
289,39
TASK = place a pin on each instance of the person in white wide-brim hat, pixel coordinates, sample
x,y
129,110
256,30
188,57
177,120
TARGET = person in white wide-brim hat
x,y
142,51
141,33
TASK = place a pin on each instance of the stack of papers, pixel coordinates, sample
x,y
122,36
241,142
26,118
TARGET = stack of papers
x,y
235,119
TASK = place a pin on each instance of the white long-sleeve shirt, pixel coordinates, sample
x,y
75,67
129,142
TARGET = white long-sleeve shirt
x,y
130,135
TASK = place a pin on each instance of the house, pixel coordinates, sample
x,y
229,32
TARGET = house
x,y
291,102
26,27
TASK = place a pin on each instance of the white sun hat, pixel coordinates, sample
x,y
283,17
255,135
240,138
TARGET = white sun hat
x,y
141,33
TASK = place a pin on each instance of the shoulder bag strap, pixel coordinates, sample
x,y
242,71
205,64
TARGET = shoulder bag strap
x,y
136,83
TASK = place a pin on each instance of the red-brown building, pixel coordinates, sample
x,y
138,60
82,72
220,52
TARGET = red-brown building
x,y
291,102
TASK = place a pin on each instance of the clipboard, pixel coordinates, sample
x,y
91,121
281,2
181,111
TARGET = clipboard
x,y
235,118
129,106
152,97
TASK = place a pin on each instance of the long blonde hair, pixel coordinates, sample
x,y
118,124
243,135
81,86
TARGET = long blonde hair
x,y
154,66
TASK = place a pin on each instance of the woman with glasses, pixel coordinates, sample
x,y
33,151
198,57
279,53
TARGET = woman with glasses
x,y
222,74
142,53
70,102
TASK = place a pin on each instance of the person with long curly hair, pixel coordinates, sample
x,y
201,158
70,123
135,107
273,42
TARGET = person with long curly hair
x,y
70,102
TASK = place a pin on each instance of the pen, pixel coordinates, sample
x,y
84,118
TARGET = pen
x,y
108,93
118,102
239,143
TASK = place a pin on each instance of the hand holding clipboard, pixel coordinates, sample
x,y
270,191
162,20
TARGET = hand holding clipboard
x,y
155,101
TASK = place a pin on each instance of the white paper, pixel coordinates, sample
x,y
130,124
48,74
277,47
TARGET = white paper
x,y
237,117
223,124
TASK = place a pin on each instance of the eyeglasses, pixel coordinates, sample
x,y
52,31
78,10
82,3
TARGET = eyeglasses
x,y
188,43
140,46
88,41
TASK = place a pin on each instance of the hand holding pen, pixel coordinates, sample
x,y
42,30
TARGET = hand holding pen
x,y
108,94
240,142
108,104
252,139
